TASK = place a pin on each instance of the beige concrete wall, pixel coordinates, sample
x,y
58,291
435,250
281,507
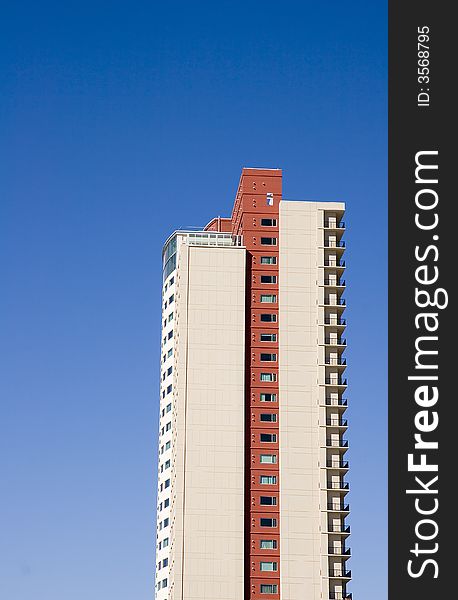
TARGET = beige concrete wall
x,y
207,489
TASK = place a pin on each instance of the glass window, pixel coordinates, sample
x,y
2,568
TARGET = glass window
x,y
170,335
270,199
172,298
268,397
165,562
268,479
166,522
169,353
169,370
268,337
165,543
171,317
268,437
266,318
268,298
270,459
268,222
268,357
269,588
169,388
268,544
167,464
172,279
168,408
266,501
264,522
268,241
268,417
268,377
167,446
268,279
168,427
268,260
166,502
164,583
167,483
268,566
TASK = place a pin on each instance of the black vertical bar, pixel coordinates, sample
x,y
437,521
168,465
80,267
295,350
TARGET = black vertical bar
x,y
422,74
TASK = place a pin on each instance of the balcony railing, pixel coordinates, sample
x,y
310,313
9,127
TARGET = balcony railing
x,y
336,302
341,507
340,551
335,341
340,596
339,529
336,443
335,321
340,574
337,422
335,283
338,485
336,402
329,381
334,244
335,361
343,464
334,224
334,263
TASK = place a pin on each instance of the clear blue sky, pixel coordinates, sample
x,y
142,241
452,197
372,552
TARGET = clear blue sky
x,y
120,122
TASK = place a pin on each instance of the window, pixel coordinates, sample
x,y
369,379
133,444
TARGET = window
x,y
268,437
268,397
172,298
165,562
268,260
167,464
170,317
268,417
265,318
268,479
266,501
169,388
268,279
268,298
166,522
167,446
169,370
167,483
268,337
172,279
165,542
264,522
268,566
268,377
268,357
164,583
269,588
168,427
270,199
169,353
268,222
170,335
169,407
268,544
265,241
166,502
269,459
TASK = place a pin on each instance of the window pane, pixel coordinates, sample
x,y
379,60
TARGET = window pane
x,y
268,458
268,479
266,318
268,260
268,566
268,377
268,298
268,588
268,417
268,544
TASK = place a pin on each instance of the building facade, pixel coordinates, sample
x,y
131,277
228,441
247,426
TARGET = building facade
x,y
251,474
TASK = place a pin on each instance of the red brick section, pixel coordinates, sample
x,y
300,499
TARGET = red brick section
x,y
258,197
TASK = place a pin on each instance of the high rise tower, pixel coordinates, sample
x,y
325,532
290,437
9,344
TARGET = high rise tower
x,y
251,483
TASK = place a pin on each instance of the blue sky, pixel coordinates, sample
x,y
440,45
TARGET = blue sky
x,y
121,122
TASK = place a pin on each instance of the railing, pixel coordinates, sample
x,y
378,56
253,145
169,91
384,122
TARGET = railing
x,y
329,381
335,321
339,507
334,244
340,551
343,464
336,402
337,422
338,302
335,341
345,574
334,263
335,361
338,485
208,238
340,596
334,224
340,283
342,529
336,443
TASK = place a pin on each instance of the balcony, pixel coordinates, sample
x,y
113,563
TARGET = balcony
x,y
334,225
344,529
332,422
339,362
339,551
335,321
331,443
340,596
334,283
335,341
343,464
335,302
340,574
334,244
341,507
338,264
337,485
336,402
336,382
